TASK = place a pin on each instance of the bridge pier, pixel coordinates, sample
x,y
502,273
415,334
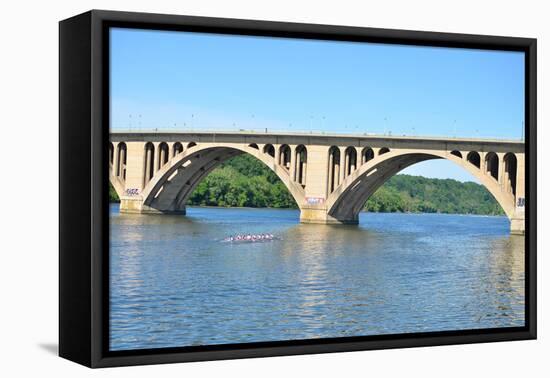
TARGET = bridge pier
x,y
321,216
517,226
517,221
135,205
131,205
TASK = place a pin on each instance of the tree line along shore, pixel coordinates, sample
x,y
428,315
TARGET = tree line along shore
x,y
244,181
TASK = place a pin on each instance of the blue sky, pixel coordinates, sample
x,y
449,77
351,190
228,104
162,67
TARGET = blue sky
x,y
181,80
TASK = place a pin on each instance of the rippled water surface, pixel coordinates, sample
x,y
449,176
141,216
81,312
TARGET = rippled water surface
x,y
173,283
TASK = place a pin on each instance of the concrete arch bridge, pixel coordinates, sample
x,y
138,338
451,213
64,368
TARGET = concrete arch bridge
x,y
330,176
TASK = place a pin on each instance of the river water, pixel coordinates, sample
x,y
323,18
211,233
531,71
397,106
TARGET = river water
x,y
174,283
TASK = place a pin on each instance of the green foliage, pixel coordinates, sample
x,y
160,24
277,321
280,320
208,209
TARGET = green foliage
x,y
416,194
246,182
113,197
242,182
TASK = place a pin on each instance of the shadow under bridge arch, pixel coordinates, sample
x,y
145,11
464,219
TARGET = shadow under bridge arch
x,y
171,187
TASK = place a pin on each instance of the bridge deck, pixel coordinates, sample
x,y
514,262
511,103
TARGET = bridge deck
x,y
365,139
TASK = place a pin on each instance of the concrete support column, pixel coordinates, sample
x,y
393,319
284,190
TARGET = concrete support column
x,y
347,163
292,162
507,179
277,154
156,157
122,170
520,175
342,167
304,172
118,160
330,186
115,159
482,162
135,172
501,178
315,174
337,172
162,154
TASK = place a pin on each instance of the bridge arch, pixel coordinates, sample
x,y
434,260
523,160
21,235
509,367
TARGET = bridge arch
x,y
171,186
346,201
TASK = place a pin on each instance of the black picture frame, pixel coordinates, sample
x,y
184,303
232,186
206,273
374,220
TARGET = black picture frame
x,y
83,195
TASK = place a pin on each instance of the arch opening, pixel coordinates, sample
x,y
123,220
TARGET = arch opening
x,y
383,150
121,160
510,173
253,145
191,144
249,182
367,154
350,160
456,153
333,168
149,163
177,149
491,164
163,155
241,181
269,149
284,156
347,205
474,158
301,165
